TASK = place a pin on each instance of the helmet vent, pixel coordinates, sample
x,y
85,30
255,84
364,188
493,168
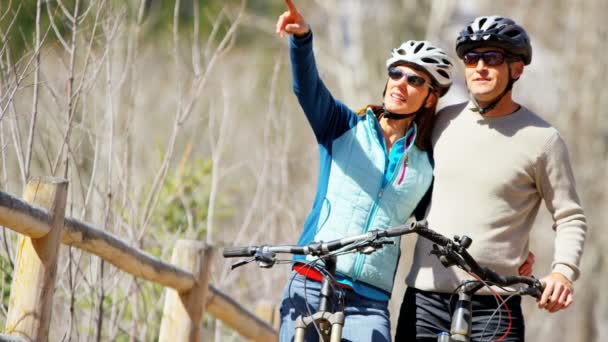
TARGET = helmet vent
x,y
511,33
427,58
495,31
443,73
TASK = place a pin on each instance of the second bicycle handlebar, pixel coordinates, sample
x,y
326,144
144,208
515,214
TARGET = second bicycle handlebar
x,y
323,248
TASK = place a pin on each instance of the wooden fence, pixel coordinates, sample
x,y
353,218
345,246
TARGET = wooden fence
x,y
40,219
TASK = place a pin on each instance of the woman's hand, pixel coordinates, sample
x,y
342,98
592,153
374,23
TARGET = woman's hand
x,y
291,22
557,294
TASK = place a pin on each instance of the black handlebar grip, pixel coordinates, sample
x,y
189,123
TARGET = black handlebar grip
x,y
422,228
433,236
235,252
535,289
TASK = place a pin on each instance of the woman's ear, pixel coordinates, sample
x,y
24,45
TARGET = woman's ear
x,y
432,99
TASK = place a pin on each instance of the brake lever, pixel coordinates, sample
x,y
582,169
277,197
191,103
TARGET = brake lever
x,y
441,254
374,246
437,251
265,259
241,263
448,257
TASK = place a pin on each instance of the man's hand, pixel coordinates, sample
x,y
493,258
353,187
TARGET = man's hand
x,y
557,294
291,22
526,268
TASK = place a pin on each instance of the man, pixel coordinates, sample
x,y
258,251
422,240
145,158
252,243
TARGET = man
x,y
495,162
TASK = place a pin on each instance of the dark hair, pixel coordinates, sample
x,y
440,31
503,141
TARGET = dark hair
x,y
424,120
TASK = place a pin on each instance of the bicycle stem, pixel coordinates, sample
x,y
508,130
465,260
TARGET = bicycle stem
x,y
327,291
461,322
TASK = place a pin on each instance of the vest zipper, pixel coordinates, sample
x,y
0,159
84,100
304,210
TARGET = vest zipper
x,y
360,258
372,213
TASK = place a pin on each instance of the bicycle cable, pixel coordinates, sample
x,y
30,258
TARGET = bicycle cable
x,y
332,281
310,265
313,264
486,284
503,303
500,301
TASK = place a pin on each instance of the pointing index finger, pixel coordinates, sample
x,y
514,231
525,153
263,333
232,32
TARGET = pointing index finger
x,y
292,8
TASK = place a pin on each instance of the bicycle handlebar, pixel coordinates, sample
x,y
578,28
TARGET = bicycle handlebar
x,y
421,228
454,252
449,251
319,248
235,252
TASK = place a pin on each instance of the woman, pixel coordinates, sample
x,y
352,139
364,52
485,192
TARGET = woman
x,y
374,169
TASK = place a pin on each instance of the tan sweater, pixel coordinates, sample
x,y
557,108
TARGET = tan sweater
x,y
490,177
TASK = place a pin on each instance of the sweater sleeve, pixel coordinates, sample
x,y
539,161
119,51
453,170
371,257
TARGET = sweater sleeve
x,y
557,186
328,117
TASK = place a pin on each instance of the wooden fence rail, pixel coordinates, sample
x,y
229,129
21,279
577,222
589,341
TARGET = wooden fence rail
x,y
34,222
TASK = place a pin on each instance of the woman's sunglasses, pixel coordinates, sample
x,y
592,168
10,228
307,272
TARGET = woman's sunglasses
x,y
397,74
491,58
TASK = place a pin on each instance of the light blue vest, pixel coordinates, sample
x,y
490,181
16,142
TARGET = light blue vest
x,y
357,201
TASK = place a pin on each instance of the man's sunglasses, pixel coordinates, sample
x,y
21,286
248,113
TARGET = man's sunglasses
x,y
491,58
397,74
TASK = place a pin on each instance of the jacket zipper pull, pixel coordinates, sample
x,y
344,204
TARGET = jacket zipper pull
x,y
404,167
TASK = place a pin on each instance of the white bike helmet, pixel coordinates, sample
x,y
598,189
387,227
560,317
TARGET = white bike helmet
x,y
427,57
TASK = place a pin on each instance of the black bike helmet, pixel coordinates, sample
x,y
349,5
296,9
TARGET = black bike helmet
x,y
495,31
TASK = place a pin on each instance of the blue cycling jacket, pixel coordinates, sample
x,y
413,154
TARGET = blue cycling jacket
x,y
360,186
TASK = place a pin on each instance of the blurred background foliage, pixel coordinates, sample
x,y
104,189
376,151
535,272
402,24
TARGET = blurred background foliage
x,y
184,200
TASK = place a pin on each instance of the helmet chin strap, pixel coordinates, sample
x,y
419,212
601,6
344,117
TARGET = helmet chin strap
x,y
395,116
486,109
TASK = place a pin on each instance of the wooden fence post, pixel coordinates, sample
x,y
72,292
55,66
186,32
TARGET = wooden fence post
x,y
31,300
183,312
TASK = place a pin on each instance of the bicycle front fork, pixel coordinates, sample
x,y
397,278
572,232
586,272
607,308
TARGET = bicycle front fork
x,y
330,324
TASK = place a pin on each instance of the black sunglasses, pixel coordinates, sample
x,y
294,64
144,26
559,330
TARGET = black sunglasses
x,y
397,74
491,58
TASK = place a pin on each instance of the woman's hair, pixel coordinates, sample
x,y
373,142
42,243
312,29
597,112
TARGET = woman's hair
x,y
424,120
